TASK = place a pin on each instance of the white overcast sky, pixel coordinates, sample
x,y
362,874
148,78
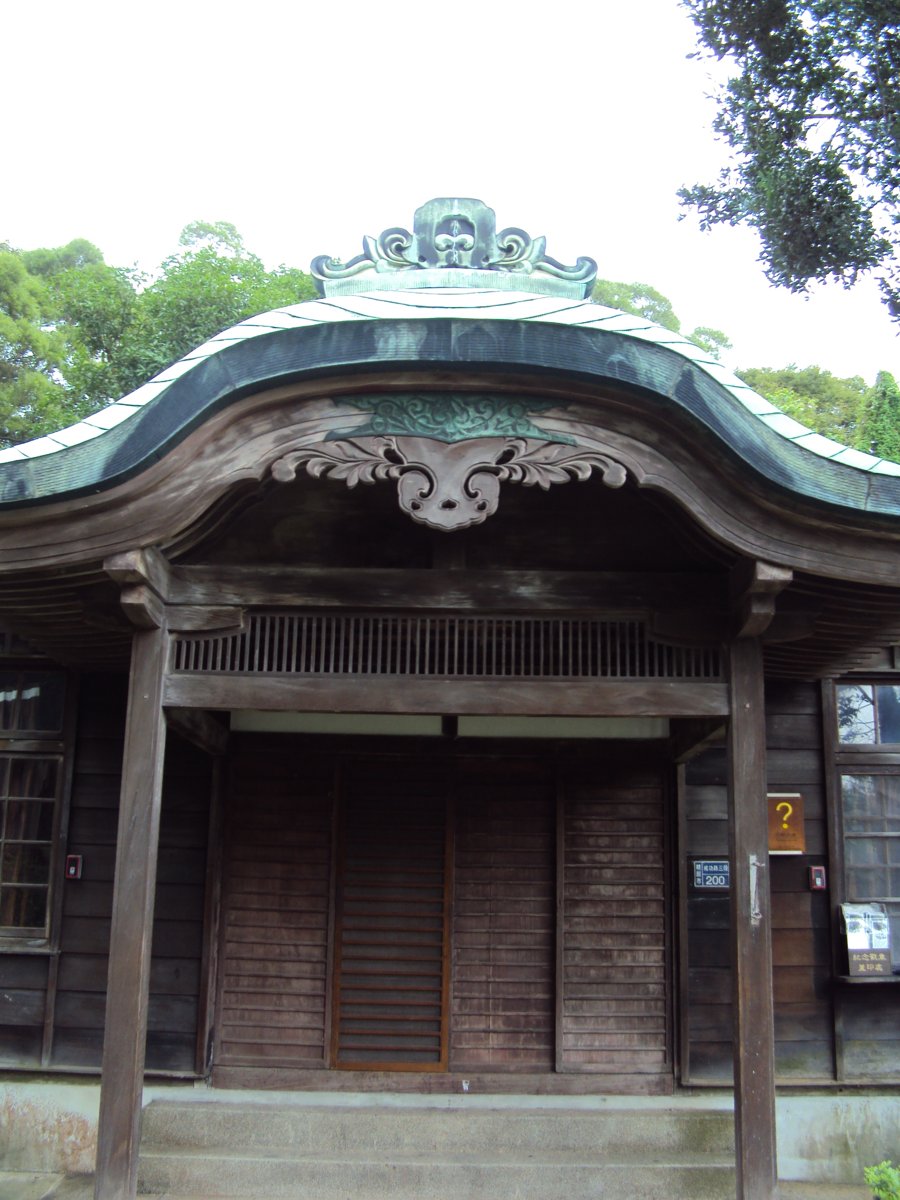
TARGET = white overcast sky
x,y
308,125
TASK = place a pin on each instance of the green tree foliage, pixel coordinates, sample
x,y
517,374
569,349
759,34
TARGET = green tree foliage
x,y
825,402
31,353
199,293
76,333
812,115
713,341
641,300
881,423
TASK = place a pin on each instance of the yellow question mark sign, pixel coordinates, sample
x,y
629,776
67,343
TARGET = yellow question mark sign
x,y
788,809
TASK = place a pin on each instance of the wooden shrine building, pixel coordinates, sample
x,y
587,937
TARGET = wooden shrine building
x,y
410,685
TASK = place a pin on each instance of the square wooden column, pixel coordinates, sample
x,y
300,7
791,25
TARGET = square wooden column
x,y
124,1044
751,938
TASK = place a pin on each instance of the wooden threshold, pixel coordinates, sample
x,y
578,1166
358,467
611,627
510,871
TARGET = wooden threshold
x,y
444,1082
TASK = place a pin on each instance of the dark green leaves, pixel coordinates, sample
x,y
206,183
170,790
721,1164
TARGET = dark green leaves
x,y
76,333
812,116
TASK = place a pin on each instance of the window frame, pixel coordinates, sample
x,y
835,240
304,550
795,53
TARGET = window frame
x,y
852,758
33,744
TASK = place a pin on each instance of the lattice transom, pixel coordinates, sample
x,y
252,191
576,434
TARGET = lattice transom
x,y
461,647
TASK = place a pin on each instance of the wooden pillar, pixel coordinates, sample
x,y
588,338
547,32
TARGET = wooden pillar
x,y
751,939
128,986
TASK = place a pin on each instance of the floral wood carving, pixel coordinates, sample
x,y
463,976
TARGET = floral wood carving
x,y
449,486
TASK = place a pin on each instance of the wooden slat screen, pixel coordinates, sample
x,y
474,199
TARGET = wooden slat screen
x,y
391,914
504,915
469,647
612,1010
275,907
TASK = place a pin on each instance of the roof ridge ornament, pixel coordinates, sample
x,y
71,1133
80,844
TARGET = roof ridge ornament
x,y
454,244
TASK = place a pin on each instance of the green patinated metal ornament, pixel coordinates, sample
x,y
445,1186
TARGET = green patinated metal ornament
x,y
455,244
445,416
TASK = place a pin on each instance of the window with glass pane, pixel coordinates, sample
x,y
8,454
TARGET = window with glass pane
x,y
31,702
29,790
871,810
868,713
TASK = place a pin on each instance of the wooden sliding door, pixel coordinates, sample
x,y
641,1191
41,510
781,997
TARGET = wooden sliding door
x,y
391,916
445,908
613,1010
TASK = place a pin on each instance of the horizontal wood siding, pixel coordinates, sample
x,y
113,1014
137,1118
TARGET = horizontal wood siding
x,y
87,903
614,967
391,914
504,915
275,905
78,1006
801,950
23,999
869,1032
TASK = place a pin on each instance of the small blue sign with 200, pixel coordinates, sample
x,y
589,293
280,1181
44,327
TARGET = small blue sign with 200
x,y
712,873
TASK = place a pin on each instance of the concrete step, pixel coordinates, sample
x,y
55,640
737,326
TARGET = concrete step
x,y
17,1185
376,1152
310,1178
430,1130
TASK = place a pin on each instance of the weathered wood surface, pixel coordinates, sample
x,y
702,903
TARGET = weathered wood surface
x,y
800,919
750,912
504,924
240,442
124,1047
74,1041
458,590
392,914
388,694
444,1083
276,887
504,915
755,588
613,1002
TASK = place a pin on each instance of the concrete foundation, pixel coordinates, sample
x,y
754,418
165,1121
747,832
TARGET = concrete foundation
x,y
50,1125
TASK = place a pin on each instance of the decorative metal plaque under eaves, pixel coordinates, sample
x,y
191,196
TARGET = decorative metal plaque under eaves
x,y
454,243
445,647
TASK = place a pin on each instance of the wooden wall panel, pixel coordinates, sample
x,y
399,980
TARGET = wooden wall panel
x,y
870,1032
800,919
77,1003
275,906
23,998
504,930
613,1008
87,903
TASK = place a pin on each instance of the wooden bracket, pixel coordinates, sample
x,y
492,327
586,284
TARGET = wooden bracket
x,y
147,566
143,576
143,607
755,587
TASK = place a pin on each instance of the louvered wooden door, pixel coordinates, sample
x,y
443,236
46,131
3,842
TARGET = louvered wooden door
x,y
392,909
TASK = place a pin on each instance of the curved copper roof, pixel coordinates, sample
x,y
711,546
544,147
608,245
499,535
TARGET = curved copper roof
x,y
454,328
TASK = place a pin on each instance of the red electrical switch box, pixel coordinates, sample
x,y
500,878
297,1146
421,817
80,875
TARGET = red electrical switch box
x,y
817,880
73,866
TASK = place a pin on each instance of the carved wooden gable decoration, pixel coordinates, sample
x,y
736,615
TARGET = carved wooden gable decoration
x,y
450,363
448,454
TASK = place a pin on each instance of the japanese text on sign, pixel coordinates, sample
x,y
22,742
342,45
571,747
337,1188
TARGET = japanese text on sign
x,y
712,873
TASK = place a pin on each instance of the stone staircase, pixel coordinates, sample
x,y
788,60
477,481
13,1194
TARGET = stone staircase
x,y
363,1149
